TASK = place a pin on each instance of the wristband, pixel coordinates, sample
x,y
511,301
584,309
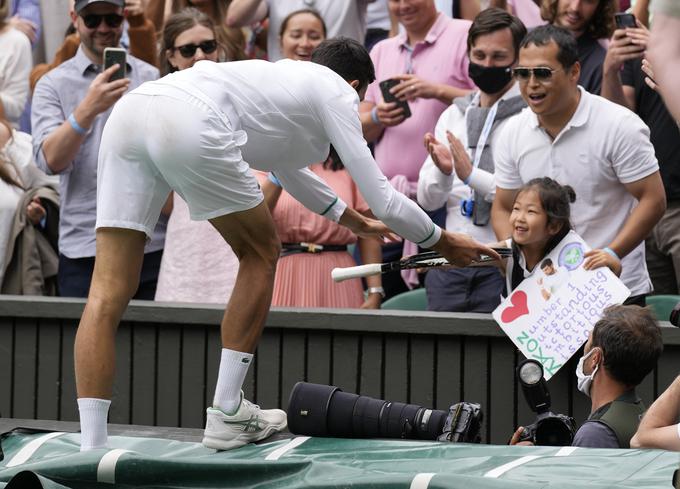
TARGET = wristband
x,y
274,180
611,252
76,127
374,115
376,290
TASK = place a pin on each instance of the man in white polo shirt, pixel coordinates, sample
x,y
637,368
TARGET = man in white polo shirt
x,y
197,132
599,148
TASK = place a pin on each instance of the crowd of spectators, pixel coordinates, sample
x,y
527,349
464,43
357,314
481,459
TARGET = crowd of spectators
x,y
506,98
583,109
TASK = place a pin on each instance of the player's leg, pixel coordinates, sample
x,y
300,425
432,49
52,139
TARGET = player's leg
x,y
116,275
130,194
233,421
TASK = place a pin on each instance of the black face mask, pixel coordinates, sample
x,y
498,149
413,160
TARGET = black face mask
x,y
490,79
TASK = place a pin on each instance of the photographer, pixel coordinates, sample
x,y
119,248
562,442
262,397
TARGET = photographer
x,y
621,350
659,428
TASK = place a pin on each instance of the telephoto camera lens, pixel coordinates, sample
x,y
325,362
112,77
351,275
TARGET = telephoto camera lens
x,y
324,410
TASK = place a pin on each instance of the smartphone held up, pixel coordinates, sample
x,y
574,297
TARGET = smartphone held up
x,y
117,56
388,96
624,20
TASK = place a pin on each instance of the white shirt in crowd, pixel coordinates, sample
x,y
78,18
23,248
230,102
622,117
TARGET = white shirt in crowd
x,y
342,17
18,154
436,189
290,112
602,147
16,62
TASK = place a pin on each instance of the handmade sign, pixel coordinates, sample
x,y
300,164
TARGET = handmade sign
x,y
551,313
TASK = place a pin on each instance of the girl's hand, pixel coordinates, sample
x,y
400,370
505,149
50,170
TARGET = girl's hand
x,y
600,258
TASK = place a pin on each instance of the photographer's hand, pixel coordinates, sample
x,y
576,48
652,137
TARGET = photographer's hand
x,y
517,436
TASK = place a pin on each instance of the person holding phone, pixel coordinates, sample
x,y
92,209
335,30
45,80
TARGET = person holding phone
x,y
71,104
626,83
421,70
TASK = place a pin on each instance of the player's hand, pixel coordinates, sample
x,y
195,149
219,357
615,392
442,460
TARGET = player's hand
x,y
516,436
460,249
103,93
412,87
35,211
600,258
25,26
390,114
461,159
366,227
441,156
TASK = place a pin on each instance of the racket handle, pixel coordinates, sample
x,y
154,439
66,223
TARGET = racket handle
x,y
340,274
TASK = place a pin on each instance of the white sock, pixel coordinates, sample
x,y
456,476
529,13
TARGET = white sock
x,y
233,369
93,417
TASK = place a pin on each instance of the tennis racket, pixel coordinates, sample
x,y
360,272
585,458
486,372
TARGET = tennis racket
x,y
428,259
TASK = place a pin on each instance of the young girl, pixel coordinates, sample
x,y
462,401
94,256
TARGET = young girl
x,y
540,220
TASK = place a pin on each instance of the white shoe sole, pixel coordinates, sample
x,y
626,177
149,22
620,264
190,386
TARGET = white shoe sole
x,y
242,439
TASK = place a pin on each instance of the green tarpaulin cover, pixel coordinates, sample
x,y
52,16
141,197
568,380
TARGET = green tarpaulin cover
x,y
53,460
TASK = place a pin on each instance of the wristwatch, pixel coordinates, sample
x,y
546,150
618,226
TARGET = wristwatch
x,y
376,290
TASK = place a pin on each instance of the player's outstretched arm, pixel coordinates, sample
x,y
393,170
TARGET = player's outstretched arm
x,y
460,249
365,226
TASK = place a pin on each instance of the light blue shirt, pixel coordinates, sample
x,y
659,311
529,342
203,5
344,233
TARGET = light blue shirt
x,y
56,96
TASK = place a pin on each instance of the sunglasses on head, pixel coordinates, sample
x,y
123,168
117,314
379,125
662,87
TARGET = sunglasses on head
x,y
188,50
92,21
541,74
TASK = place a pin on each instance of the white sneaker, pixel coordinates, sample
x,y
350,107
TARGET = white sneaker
x,y
248,424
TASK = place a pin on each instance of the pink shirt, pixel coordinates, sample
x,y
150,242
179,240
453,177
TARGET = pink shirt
x,y
440,58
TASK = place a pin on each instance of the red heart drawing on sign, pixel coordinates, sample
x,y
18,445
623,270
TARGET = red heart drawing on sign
x,y
517,309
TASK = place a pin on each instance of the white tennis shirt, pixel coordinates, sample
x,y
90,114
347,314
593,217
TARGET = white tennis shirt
x,y
602,147
291,112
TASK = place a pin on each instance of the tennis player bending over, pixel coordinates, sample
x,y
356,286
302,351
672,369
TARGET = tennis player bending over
x,y
197,132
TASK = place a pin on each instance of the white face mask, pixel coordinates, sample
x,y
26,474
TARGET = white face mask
x,y
584,381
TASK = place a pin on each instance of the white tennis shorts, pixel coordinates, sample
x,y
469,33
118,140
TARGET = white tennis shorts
x,y
158,140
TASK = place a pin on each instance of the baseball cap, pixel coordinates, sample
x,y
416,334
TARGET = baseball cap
x,y
81,4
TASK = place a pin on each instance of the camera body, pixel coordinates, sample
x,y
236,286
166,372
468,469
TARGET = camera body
x,y
463,423
550,429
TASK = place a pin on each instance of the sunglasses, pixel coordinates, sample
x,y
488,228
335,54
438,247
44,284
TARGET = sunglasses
x,y
92,21
541,74
188,50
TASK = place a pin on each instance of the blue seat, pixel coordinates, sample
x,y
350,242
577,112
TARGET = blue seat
x,y
412,300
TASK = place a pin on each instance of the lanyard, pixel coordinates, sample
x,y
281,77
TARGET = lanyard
x,y
486,129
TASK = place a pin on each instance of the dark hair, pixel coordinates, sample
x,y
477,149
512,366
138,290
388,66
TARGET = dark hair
x,y
177,23
602,24
347,58
496,19
631,342
311,11
546,263
567,53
